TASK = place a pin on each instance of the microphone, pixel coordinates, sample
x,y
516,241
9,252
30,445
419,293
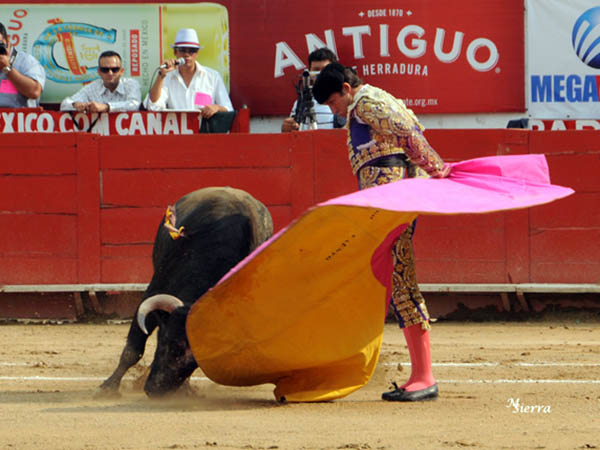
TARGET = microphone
x,y
178,62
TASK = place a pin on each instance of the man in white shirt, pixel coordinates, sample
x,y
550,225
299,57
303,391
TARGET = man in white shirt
x,y
110,93
189,85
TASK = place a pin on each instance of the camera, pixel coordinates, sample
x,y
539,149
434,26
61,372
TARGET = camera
x,y
306,79
3,49
305,114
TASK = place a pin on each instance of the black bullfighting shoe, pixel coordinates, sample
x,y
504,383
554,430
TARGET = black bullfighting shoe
x,y
402,395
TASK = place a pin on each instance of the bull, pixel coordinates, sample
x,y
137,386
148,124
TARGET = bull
x,y
200,239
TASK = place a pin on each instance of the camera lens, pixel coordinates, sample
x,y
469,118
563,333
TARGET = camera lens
x,y
2,48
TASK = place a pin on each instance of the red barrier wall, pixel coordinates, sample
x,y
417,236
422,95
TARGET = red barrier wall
x,y
82,208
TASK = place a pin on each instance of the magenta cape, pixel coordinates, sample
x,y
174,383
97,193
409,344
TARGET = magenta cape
x,y
306,310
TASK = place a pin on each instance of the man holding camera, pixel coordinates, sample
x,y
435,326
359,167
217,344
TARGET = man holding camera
x,y
324,118
22,77
110,93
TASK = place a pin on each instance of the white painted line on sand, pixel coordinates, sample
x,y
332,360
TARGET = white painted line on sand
x,y
557,364
467,381
496,364
525,381
40,378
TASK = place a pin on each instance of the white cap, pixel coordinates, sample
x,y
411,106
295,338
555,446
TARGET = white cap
x,y
186,37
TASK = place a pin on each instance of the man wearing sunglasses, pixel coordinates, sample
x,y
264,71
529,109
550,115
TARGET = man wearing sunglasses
x,y
187,85
22,77
110,93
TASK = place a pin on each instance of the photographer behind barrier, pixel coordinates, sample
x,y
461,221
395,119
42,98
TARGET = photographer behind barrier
x,y
324,118
22,77
110,93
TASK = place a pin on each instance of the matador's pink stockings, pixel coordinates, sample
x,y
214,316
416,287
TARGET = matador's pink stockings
x,y
421,376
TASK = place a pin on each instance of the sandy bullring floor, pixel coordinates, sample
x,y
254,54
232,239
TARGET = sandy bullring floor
x,y
48,374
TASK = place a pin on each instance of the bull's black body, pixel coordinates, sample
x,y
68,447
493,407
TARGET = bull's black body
x,y
221,227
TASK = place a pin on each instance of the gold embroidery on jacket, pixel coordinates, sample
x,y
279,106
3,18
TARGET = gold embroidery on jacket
x,y
394,129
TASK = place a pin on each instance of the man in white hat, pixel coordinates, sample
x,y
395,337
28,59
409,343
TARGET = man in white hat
x,y
189,85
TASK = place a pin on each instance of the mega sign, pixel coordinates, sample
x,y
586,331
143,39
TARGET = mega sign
x,y
564,59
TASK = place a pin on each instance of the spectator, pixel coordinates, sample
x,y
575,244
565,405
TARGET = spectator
x,y
188,85
22,77
110,93
317,59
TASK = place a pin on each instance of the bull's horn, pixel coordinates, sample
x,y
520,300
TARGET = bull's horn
x,y
164,302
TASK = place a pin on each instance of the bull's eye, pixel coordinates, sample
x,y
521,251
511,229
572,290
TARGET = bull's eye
x,y
177,347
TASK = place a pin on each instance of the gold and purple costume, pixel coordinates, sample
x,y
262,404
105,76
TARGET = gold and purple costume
x,y
386,144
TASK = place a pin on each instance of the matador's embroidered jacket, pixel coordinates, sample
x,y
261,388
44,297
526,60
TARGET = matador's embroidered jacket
x,y
381,125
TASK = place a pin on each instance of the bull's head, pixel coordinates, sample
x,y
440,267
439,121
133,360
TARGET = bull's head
x,y
173,360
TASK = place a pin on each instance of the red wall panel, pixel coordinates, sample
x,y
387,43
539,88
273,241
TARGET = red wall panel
x,y
443,244
565,142
579,171
448,270
457,145
565,272
220,151
38,193
580,210
121,226
33,160
159,188
38,235
112,251
452,244
127,269
38,270
333,176
583,245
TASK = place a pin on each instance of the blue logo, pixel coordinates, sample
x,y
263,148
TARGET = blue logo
x,y
586,37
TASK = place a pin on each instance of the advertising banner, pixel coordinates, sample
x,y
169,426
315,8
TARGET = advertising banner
x,y
67,39
563,57
439,56
140,123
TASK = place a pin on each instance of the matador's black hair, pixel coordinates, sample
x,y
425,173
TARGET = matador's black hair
x,y
331,80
